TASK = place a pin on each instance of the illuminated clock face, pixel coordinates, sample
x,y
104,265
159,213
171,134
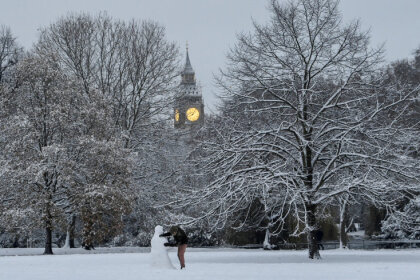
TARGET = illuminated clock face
x,y
192,114
177,115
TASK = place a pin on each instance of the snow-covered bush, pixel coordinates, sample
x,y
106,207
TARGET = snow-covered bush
x,y
404,224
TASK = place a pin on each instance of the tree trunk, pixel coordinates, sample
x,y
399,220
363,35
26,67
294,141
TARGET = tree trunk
x,y
343,222
70,232
267,244
312,239
343,235
67,242
48,234
343,229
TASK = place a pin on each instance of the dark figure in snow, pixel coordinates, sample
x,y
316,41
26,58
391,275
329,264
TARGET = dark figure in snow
x,y
319,234
181,241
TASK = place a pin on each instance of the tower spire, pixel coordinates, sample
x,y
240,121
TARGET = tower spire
x,y
187,68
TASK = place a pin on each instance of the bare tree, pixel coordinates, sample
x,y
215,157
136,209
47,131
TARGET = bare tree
x,y
152,71
131,64
312,126
9,50
72,39
344,202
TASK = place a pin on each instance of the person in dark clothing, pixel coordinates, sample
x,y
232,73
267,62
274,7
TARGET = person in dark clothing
x,y
319,234
181,241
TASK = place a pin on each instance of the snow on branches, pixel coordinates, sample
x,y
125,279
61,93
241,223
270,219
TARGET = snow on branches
x,y
306,120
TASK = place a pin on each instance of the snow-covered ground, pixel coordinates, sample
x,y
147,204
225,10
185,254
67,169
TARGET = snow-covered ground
x,y
210,264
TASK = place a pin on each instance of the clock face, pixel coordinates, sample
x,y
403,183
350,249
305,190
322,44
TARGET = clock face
x,y
177,115
192,114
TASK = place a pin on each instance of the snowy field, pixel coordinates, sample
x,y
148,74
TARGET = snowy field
x,y
212,264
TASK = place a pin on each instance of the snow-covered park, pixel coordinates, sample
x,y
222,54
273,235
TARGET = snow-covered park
x,y
135,263
288,129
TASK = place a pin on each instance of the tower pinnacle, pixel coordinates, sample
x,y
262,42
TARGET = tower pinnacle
x,y
188,72
188,68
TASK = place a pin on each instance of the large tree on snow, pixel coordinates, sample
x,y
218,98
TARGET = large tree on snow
x,y
60,155
94,89
32,141
311,126
132,68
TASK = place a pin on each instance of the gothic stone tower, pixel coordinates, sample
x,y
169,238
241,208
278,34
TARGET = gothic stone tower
x,y
189,107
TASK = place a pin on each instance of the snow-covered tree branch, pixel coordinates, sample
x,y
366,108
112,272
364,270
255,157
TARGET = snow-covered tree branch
x,y
306,120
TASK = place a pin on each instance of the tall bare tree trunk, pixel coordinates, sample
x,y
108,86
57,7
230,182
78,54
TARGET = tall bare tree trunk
x,y
48,232
343,227
343,235
71,231
312,240
267,244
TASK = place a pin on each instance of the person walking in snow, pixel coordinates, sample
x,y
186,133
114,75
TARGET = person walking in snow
x,y
181,241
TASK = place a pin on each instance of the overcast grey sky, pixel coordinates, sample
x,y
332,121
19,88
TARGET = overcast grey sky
x,y
210,25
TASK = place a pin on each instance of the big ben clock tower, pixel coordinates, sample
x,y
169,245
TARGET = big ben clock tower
x,y
189,107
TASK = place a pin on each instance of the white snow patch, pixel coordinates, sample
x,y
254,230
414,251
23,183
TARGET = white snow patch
x,y
210,264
